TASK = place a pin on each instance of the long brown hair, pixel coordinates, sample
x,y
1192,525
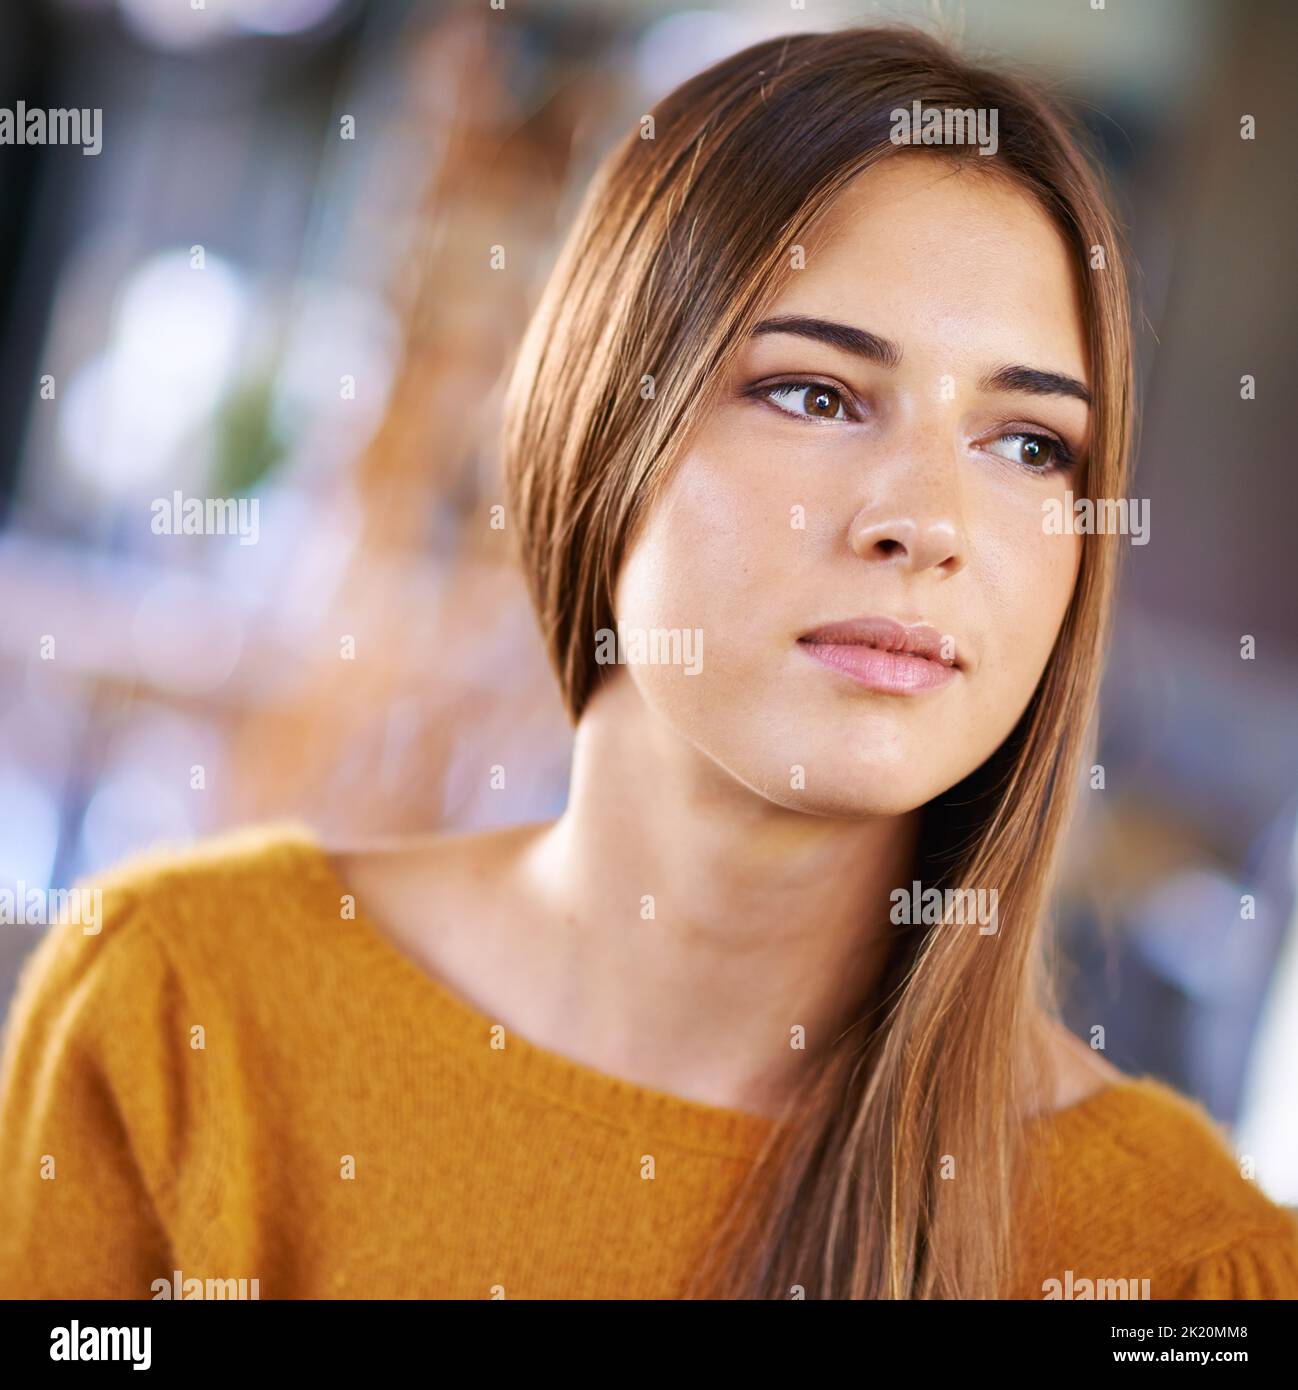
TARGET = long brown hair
x,y
899,1176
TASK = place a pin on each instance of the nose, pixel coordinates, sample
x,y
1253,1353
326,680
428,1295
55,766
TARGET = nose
x,y
909,541
913,517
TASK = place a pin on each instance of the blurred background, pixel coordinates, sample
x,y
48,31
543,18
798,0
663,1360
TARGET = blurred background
x,y
275,282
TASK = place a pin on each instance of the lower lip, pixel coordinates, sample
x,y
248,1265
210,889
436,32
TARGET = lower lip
x,y
892,673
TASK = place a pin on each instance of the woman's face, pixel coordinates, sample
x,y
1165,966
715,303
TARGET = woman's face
x,y
895,476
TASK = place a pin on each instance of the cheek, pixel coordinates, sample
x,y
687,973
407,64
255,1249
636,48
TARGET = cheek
x,y
697,561
701,564
1030,577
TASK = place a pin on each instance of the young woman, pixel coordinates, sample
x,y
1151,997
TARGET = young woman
x,y
780,443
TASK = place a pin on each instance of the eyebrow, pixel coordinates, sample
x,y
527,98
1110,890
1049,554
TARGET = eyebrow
x,y
1026,381
882,351
1032,381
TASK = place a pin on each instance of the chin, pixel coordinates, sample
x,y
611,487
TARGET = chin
x,y
859,801
836,784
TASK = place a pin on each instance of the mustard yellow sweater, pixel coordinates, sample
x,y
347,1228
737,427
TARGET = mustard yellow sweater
x,y
234,1080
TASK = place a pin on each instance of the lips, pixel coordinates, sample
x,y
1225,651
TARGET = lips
x,y
883,655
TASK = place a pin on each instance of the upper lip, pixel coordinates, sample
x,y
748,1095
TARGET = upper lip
x,y
885,635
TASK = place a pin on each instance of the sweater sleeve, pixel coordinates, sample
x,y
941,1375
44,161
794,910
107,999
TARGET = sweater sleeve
x,y
1263,1266
93,1095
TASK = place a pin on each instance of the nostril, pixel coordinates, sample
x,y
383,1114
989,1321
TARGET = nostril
x,y
888,547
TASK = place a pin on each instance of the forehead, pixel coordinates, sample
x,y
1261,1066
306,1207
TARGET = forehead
x,y
944,258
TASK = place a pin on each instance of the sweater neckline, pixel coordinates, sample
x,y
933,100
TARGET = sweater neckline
x,y
460,1025
603,1096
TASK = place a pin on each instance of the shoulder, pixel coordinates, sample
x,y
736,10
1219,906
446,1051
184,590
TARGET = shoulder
x,y
1079,1071
248,862
230,937
1141,1182
251,909
191,912
144,1017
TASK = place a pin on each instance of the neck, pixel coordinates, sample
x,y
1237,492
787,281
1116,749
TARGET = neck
x,y
700,922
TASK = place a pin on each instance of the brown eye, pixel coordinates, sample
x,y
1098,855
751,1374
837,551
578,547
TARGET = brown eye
x,y
810,399
1037,450
1039,453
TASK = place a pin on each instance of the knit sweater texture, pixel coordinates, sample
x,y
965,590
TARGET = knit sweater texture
x,y
236,1078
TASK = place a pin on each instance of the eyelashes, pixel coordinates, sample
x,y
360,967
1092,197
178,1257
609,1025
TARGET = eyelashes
x,y
817,396
1048,454
1035,450
826,402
